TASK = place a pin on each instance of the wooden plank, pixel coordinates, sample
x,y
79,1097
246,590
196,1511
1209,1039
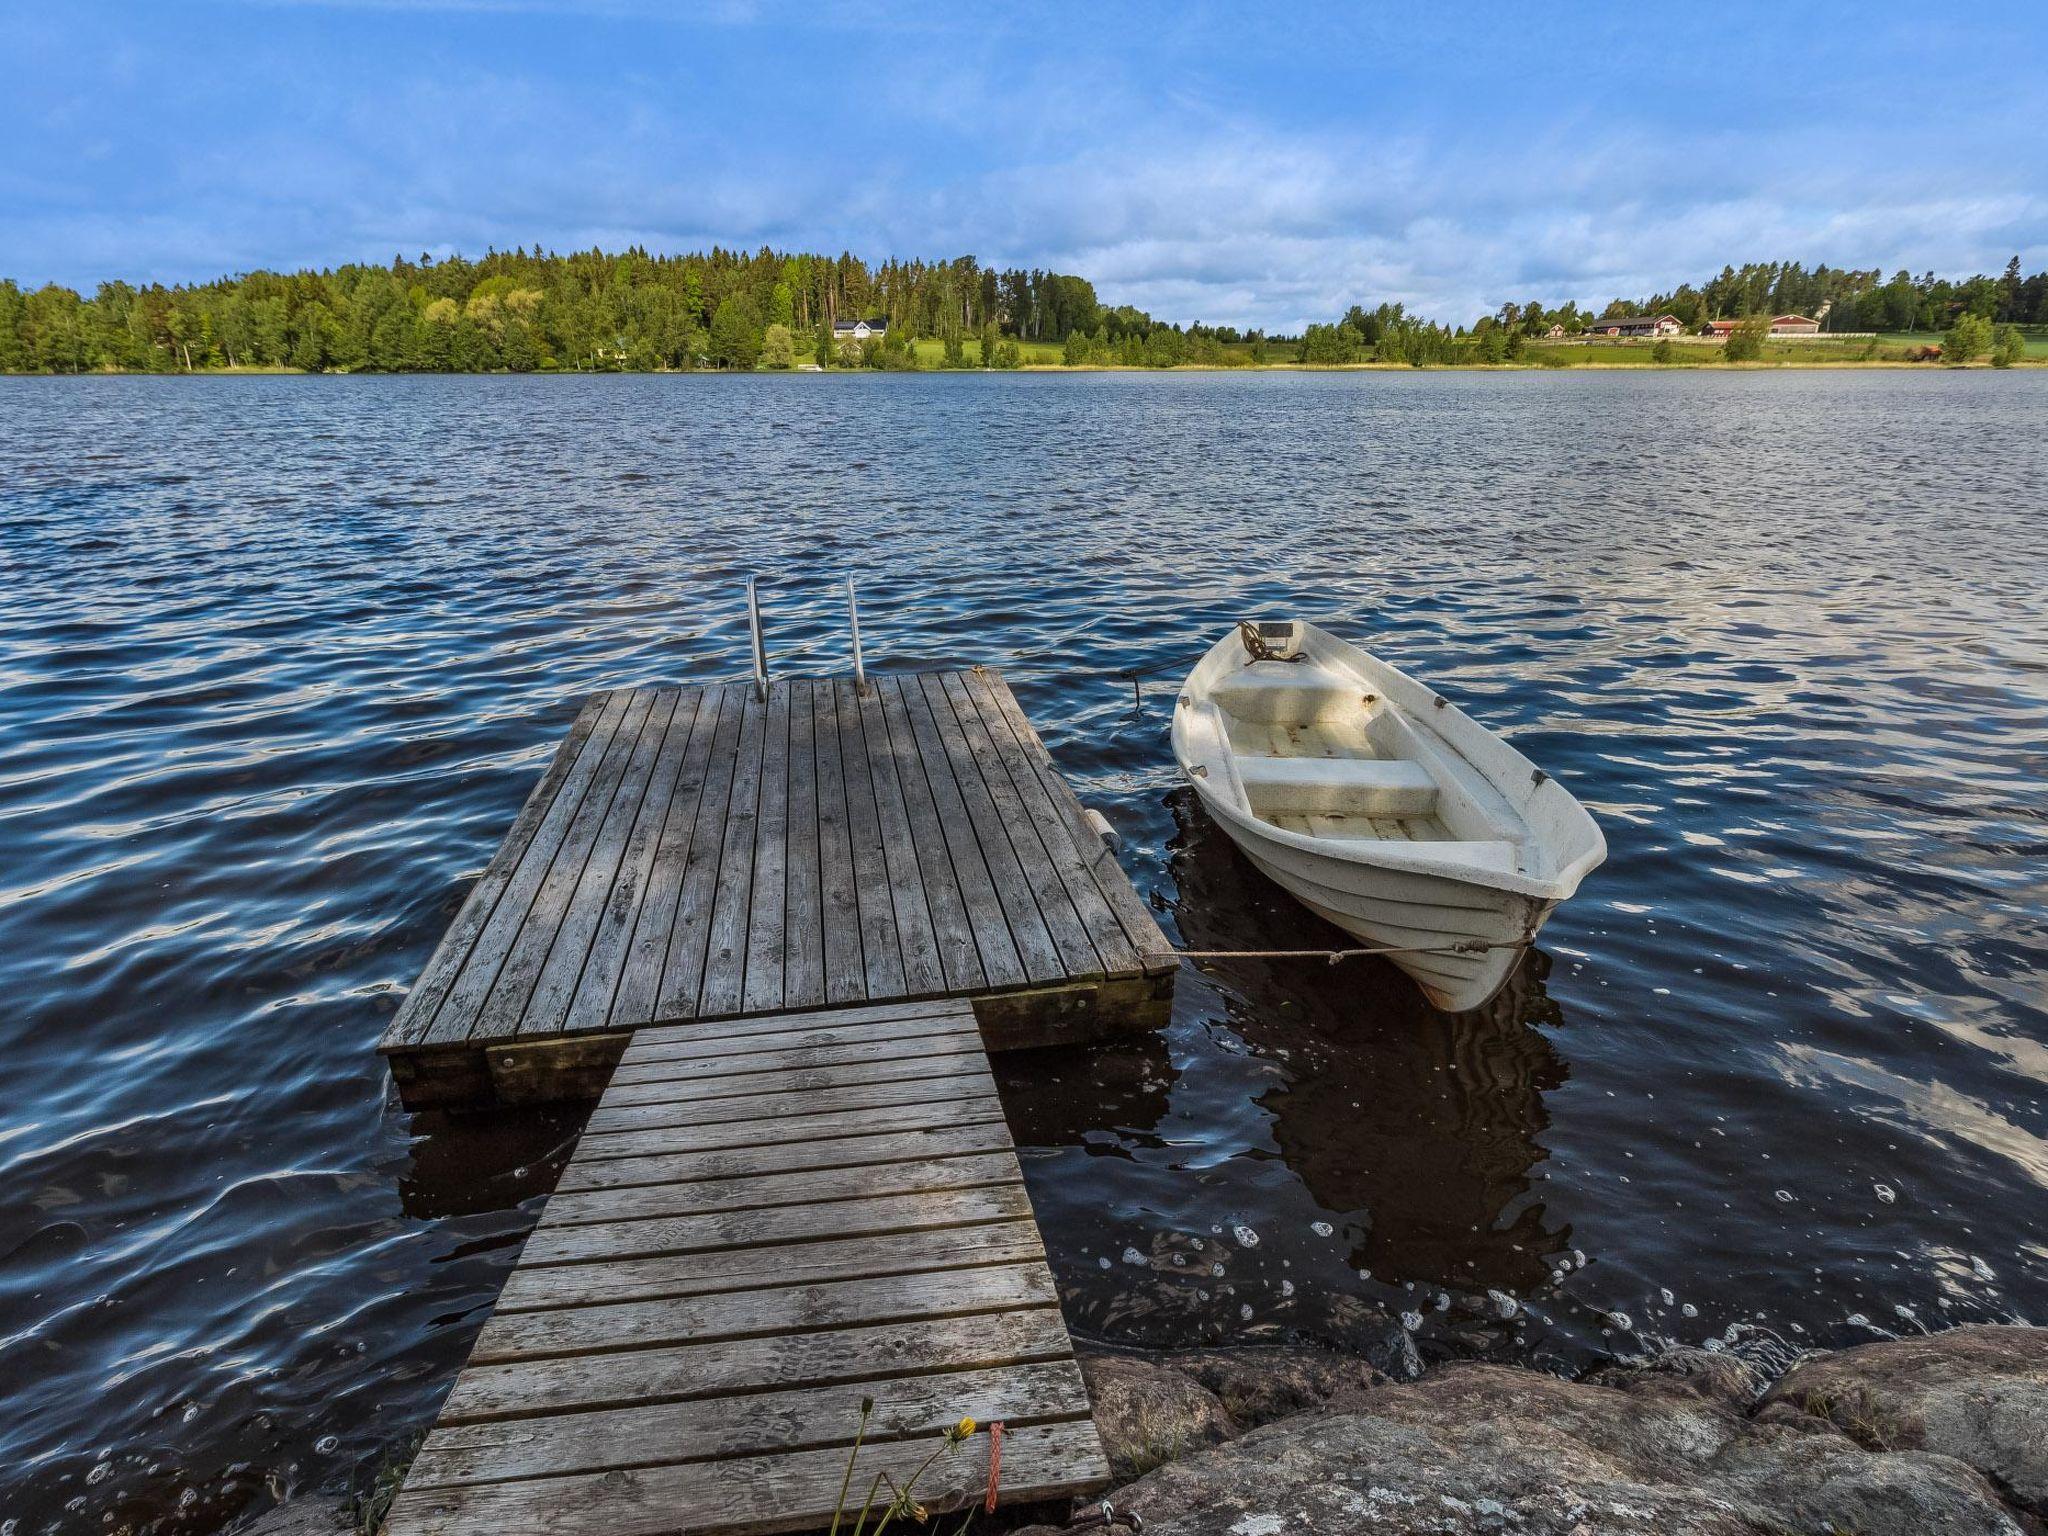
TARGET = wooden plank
x,y
682,971
1055,902
924,970
732,897
945,1082
522,1388
547,1008
1139,926
955,1052
472,983
775,1224
965,879
975,696
970,1109
845,974
714,1429
945,900
783,1310
415,1015
505,1004
944,1037
784,1157
761,1191
752,1496
639,984
590,1008
881,950
803,957
739,1269
767,933
822,1027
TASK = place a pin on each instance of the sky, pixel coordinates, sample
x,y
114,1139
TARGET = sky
x,y
1256,165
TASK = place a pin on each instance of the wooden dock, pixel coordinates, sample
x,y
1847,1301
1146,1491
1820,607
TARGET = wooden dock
x,y
766,1221
699,854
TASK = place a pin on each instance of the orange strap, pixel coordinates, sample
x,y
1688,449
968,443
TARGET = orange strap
x,y
995,1464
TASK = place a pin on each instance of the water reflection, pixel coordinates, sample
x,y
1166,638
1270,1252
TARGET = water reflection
x,y
1421,1125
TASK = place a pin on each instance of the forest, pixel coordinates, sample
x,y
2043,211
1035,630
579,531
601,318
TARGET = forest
x,y
522,311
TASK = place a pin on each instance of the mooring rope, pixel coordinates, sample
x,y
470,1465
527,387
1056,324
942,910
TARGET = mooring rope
x,y
1332,956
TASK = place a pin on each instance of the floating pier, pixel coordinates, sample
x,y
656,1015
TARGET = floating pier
x,y
774,929
726,851
765,1222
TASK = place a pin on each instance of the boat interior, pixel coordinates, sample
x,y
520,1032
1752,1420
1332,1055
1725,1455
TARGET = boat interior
x,y
1318,752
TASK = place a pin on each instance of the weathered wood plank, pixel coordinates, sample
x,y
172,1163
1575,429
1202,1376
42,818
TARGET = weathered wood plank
x,y
604,867
845,975
590,1008
1012,1241
802,1418
924,970
682,970
505,1004
973,695
457,1015
784,1157
944,1082
521,1389
881,949
775,1224
1019,908
803,956
939,1038
752,1496
1055,902
787,1079
966,1109
730,1035
960,889
732,895
818,1308
767,932
760,1191
639,984
415,1015
1139,925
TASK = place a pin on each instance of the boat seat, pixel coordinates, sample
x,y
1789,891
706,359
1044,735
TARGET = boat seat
x,y
1336,786
1286,693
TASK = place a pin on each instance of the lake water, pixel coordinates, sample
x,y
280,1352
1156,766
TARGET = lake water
x,y
282,656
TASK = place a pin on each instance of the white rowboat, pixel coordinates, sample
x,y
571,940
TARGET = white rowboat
x,y
1380,805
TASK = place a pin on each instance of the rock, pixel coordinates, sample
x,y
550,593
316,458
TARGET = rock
x,y
1978,1394
1148,1413
301,1517
1712,1376
1257,1386
1474,1449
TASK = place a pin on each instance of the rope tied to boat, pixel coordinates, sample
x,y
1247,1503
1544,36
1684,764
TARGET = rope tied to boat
x,y
1333,956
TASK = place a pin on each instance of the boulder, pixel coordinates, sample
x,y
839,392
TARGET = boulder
x,y
1474,1449
1978,1394
1148,1413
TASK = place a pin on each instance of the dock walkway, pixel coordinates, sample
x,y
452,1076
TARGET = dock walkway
x,y
698,853
766,1221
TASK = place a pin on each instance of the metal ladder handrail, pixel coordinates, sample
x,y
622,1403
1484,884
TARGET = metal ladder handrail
x,y
760,645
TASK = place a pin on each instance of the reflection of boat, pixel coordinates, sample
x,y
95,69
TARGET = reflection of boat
x,y
1380,805
1425,1127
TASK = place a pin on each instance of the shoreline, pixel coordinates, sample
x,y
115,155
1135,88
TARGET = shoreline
x,y
1631,366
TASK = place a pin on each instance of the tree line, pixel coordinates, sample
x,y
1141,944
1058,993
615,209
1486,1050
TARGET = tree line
x,y
525,310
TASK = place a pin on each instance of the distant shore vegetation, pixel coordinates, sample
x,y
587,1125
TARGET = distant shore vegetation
x,y
633,311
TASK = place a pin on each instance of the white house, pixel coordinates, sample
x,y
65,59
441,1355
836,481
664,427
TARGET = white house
x,y
859,330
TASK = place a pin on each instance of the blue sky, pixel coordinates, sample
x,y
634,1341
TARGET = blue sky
x,y
1252,164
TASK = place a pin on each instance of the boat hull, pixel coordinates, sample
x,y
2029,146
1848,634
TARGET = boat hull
x,y
1427,916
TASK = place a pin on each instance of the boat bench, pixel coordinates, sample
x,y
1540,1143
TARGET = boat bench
x,y
1277,693
1336,786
